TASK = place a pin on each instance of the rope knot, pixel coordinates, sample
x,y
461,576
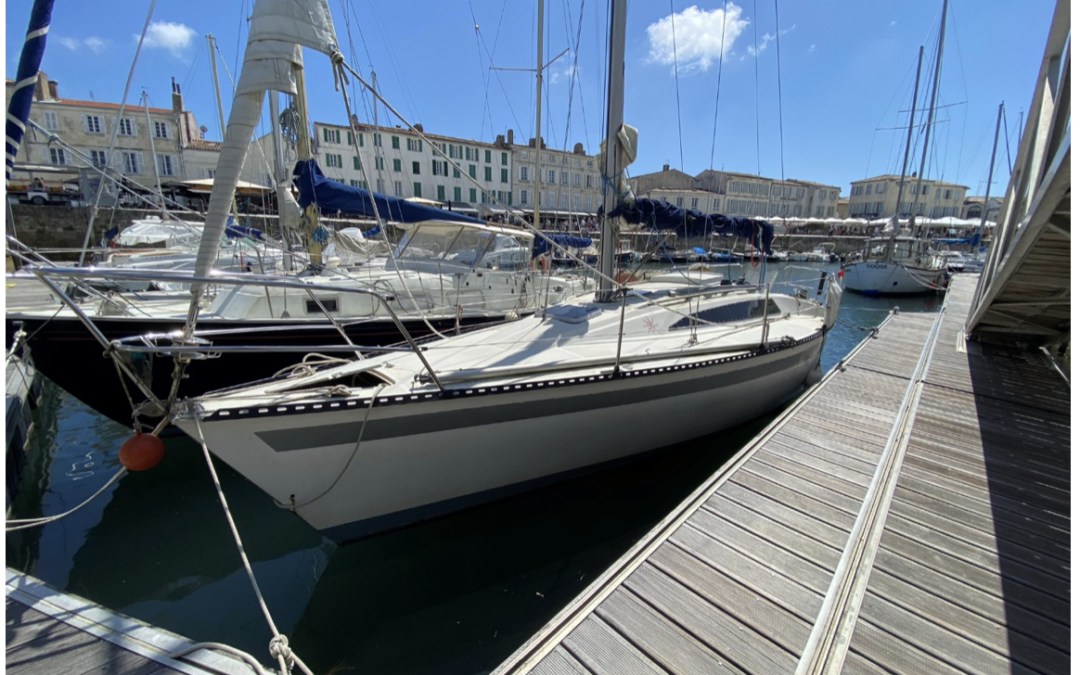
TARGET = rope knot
x,y
279,649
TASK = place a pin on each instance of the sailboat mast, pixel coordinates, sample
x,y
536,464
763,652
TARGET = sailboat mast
x,y
930,112
907,150
613,149
153,156
303,151
279,164
989,178
539,87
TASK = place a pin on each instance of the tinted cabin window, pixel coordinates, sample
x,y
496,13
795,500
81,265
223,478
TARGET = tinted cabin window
x,y
329,303
736,311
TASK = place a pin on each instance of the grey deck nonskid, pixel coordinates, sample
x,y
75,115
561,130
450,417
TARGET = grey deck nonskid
x,y
972,571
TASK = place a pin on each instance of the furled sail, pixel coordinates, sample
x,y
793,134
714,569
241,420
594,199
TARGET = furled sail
x,y
331,195
660,215
277,30
542,245
26,77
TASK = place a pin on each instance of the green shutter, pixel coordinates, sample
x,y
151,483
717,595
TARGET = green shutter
x,y
416,190
472,195
472,172
457,174
504,159
487,156
356,162
441,192
397,165
457,194
395,142
503,175
487,173
360,140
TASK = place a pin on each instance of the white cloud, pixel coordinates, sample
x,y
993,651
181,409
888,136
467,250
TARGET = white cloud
x,y
93,43
96,44
812,49
174,37
893,22
700,36
754,50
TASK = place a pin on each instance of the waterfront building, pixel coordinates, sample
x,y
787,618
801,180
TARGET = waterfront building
x,y
974,206
686,198
88,127
761,197
397,161
877,198
569,187
666,178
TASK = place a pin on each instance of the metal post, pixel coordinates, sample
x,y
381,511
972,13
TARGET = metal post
x,y
217,97
989,178
613,150
907,148
153,155
930,111
765,319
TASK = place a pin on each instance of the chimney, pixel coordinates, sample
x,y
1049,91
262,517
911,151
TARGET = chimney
x,y
579,149
355,120
509,136
177,98
52,90
419,127
499,141
666,167
41,87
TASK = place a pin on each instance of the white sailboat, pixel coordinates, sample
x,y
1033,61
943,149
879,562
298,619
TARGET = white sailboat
x,y
380,442
898,264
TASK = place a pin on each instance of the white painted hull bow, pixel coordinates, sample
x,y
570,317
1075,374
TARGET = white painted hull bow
x,y
890,278
421,459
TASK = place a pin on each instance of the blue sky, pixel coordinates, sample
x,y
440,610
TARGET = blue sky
x,y
846,72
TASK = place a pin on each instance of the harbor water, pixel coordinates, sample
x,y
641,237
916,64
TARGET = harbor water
x,y
455,595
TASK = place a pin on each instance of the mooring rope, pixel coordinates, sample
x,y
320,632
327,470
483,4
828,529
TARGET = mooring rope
x,y
279,644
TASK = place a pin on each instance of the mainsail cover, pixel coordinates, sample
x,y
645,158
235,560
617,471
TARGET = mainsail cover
x,y
25,78
277,30
659,215
541,245
331,195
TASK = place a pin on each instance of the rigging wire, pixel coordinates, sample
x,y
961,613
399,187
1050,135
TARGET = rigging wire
x,y
1008,150
720,71
963,80
678,102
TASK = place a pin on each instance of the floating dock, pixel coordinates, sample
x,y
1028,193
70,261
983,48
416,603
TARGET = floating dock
x,y
49,631
909,514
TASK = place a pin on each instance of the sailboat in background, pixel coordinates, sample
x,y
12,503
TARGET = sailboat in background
x,y
899,264
384,441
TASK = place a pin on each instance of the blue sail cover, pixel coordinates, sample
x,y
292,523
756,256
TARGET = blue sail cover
x,y
542,246
26,78
331,195
659,215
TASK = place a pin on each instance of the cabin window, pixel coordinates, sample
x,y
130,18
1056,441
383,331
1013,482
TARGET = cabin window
x,y
728,313
330,304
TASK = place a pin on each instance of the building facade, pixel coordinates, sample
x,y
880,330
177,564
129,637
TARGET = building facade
x,y
877,197
569,182
664,178
761,197
398,162
974,207
142,133
686,198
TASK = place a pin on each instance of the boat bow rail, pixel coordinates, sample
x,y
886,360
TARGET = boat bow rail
x,y
200,345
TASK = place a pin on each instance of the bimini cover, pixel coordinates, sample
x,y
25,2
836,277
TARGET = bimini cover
x,y
541,245
660,215
331,195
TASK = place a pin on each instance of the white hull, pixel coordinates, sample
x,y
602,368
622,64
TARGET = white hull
x,y
419,460
890,278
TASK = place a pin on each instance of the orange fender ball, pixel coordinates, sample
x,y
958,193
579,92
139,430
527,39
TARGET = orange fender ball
x,y
141,451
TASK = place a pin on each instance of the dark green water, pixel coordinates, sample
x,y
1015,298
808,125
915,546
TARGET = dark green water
x,y
455,596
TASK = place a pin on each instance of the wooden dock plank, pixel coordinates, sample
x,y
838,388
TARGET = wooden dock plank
x,y
972,572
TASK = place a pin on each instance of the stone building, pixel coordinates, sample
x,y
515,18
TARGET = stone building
x,y
398,162
569,185
141,134
974,206
877,198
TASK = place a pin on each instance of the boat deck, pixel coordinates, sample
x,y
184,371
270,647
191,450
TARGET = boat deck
x,y
48,631
910,513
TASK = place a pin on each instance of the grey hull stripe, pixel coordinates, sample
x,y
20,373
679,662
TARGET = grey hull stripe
x,y
301,438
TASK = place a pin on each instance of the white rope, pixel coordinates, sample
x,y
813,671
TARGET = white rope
x,y
24,523
279,644
239,653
